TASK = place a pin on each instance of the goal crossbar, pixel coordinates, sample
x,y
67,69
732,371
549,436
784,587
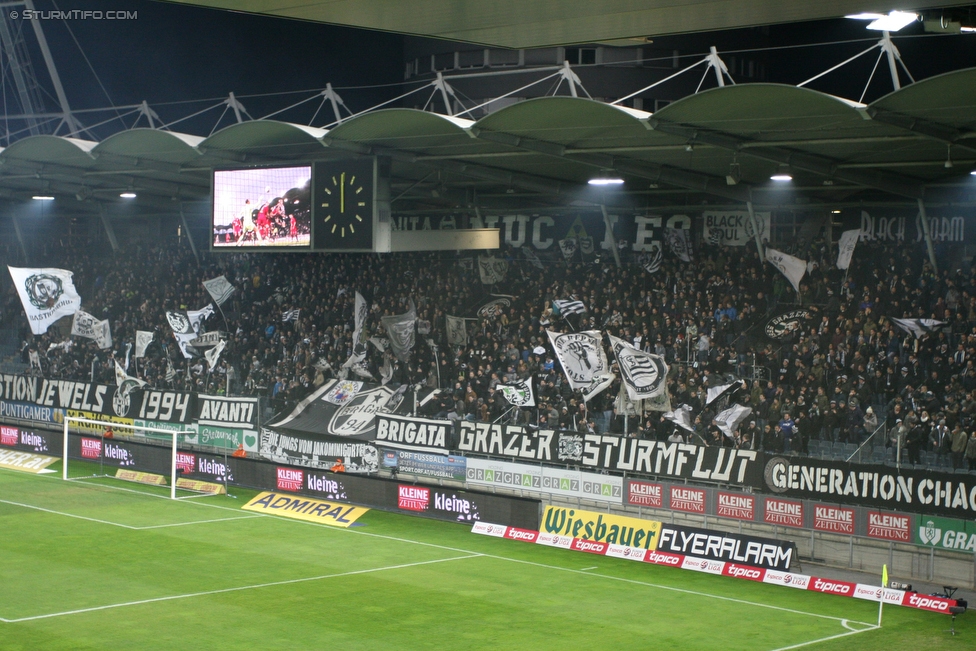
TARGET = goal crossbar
x,y
106,425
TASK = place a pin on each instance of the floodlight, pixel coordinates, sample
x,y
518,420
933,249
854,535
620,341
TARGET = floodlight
x,y
39,197
973,173
891,22
128,195
781,176
603,180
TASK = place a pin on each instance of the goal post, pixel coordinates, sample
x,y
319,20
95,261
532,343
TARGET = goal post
x,y
93,428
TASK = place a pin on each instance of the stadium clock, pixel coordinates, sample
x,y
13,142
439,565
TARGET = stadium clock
x,y
343,203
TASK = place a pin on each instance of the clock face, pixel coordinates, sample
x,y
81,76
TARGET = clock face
x,y
343,200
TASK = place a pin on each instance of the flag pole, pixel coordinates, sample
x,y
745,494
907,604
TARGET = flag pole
x,y
884,584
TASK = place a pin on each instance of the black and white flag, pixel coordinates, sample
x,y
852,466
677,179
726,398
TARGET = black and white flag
x,y
568,306
597,385
170,371
532,257
729,420
357,362
492,269
457,332
402,331
125,381
187,326
219,288
359,317
519,394
661,402
213,354
291,315
623,405
143,339
651,260
581,355
791,267
644,374
918,327
845,247
568,248
677,239
716,392
85,325
47,294
681,417
487,307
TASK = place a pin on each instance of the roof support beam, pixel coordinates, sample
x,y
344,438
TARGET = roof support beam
x,y
894,184
928,128
640,169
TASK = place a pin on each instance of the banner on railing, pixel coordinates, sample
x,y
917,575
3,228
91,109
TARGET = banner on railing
x,y
543,479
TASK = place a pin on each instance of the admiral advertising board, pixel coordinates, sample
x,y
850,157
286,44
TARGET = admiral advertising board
x,y
869,485
729,547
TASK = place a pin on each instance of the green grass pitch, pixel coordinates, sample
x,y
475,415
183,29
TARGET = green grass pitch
x,y
102,564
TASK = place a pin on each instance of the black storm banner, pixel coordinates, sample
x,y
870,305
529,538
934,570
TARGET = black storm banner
x,y
919,491
616,453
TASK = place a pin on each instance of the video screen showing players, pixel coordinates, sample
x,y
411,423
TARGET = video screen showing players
x,y
262,208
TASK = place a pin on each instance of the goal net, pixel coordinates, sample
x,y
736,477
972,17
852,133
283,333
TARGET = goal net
x,y
88,444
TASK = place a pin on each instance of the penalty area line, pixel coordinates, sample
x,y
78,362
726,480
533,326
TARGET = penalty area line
x,y
235,589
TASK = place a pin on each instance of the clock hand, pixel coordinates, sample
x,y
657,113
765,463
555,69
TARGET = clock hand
x,y
342,193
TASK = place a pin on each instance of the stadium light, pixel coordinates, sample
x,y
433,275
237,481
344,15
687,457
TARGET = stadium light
x,y
40,197
603,180
128,195
781,176
890,22
973,173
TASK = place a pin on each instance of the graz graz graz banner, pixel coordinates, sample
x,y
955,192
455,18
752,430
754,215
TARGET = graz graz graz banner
x,y
920,491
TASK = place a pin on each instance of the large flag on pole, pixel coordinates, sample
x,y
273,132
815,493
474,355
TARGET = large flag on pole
x,y
143,339
730,419
681,417
85,325
644,375
677,240
581,356
845,247
219,289
360,313
47,294
187,326
213,354
518,394
457,332
402,330
126,381
792,268
492,269
918,327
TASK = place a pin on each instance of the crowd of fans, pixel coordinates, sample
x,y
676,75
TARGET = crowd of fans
x,y
845,375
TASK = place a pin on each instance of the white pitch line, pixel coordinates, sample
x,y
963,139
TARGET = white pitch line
x,y
872,627
587,569
503,558
126,526
183,524
69,515
236,589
